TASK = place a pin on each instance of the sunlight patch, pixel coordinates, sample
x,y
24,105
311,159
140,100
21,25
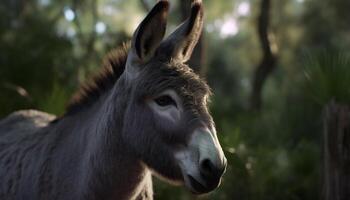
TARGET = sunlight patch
x,y
229,28
243,9
100,27
69,14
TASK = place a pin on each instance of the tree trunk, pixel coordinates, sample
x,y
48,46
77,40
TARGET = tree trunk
x,y
268,62
197,61
336,180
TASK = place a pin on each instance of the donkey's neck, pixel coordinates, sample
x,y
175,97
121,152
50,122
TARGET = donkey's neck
x,y
110,168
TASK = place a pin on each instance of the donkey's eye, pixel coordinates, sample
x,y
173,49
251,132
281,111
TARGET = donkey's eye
x,y
165,100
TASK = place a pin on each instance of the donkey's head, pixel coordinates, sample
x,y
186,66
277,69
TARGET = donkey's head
x,y
167,121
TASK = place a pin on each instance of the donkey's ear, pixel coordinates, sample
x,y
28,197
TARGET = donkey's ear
x,y
150,32
180,44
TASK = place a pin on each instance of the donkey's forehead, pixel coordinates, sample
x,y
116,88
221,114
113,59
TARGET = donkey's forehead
x,y
159,76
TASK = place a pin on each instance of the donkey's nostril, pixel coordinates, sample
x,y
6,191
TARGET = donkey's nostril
x,y
207,168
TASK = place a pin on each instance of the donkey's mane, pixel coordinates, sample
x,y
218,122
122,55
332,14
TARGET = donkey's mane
x,y
112,68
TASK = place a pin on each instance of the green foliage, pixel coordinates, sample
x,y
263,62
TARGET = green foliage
x,y
55,102
328,77
268,158
32,54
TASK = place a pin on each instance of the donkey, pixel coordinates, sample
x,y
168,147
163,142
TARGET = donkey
x,y
145,114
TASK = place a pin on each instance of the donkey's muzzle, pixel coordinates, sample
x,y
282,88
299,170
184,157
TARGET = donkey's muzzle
x,y
203,162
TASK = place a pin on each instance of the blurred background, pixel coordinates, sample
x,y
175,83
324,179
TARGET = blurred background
x,y
273,66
